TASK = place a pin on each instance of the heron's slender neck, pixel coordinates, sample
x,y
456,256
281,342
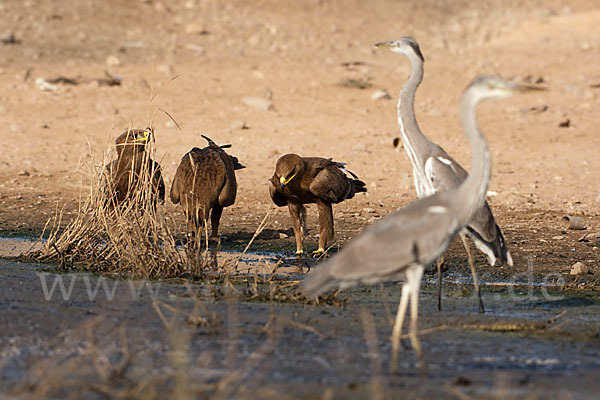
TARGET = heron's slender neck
x,y
471,193
413,139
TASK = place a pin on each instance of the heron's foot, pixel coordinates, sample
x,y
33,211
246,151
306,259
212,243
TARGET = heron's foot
x,y
320,250
299,253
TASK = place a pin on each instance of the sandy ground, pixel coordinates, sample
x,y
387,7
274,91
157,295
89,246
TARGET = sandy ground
x,y
295,55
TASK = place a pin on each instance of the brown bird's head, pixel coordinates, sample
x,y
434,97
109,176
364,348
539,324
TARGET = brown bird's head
x,y
288,167
134,139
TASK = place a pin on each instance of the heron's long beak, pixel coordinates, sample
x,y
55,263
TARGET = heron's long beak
x,y
383,45
514,87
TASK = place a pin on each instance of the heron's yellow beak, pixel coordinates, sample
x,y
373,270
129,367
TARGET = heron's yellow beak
x,y
513,87
383,45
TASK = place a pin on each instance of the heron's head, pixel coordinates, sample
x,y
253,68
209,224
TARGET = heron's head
x,y
405,45
491,87
287,168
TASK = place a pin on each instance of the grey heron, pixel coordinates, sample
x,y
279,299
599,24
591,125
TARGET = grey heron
x,y
434,170
402,243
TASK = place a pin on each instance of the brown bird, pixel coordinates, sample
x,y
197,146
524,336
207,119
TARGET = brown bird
x,y
126,172
205,181
303,180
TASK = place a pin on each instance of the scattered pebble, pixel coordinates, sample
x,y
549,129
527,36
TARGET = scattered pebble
x,y
579,268
237,125
195,28
258,103
196,48
283,235
381,95
8,38
45,86
368,210
565,124
590,237
558,237
24,173
113,61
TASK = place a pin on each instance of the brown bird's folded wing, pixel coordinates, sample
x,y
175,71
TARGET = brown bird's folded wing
x,y
330,184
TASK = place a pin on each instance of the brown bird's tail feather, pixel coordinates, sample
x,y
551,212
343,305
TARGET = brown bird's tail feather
x,y
236,163
359,186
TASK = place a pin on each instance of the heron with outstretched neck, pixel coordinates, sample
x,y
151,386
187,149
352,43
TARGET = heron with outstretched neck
x,y
434,170
402,243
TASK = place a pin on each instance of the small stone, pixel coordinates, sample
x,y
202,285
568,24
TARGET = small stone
x,y
113,61
45,86
283,235
381,95
558,237
590,237
8,38
579,268
24,173
238,125
565,123
258,103
368,210
195,29
196,48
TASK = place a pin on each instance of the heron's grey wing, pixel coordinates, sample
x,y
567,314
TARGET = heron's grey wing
x,y
416,234
444,173
330,184
487,236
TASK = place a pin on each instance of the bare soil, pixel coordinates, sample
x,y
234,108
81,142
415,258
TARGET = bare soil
x,y
307,58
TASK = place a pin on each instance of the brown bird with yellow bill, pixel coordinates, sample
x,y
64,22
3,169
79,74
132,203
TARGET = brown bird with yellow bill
x,y
133,164
304,180
205,181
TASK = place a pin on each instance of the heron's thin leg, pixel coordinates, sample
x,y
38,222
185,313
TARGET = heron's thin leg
x,y
440,261
397,330
472,266
413,277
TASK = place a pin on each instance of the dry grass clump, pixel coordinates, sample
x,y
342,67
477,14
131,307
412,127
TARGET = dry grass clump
x,y
133,237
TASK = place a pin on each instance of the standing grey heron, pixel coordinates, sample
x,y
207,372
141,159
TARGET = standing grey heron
x,y
434,170
402,243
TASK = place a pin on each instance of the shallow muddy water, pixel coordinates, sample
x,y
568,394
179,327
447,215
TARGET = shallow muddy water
x,y
530,342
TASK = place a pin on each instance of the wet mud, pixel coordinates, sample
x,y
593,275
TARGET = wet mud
x,y
533,341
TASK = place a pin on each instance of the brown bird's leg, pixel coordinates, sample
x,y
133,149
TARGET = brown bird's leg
x,y
298,214
325,225
215,218
472,266
440,262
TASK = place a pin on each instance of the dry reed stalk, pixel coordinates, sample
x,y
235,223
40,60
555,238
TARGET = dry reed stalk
x,y
130,238
377,389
